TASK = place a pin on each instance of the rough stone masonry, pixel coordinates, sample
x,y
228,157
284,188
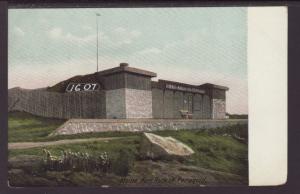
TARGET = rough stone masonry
x,y
75,126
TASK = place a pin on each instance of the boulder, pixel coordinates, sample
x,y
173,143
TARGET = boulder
x,y
157,147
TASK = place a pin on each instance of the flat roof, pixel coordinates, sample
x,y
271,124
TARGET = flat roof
x,y
166,84
209,85
125,68
161,84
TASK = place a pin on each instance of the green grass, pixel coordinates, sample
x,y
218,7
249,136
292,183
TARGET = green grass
x,y
211,151
217,152
94,147
24,127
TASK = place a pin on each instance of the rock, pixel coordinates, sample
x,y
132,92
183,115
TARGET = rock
x,y
240,139
157,147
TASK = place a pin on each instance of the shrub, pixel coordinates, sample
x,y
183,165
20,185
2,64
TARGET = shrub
x,y
123,163
77,161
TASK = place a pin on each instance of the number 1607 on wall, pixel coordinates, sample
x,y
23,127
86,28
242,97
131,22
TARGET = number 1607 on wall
x,y
76,87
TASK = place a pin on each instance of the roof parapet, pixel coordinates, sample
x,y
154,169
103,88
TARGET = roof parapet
x,y
124,67
213,86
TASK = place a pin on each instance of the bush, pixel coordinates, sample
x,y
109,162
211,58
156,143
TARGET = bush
x,y
77,161
123,163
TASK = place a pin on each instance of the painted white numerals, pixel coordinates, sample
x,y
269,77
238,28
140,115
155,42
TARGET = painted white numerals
x,y
76,87
87,87
94,86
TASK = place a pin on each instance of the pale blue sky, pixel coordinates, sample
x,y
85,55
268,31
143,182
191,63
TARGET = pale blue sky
x,y
192,45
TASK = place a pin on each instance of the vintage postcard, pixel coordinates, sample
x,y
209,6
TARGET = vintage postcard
x,y
129,97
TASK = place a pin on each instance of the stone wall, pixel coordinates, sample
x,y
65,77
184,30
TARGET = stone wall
x,y
128,103
115,104
218,104
219,109
74,126
138,103
57,105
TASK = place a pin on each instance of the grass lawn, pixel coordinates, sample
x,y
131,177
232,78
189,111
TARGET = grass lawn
x,y
214,149
217,152
93,147
24,127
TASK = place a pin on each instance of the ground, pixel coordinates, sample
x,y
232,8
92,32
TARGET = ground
x,y
221,156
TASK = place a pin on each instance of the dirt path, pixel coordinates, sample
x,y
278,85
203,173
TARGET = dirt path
x,y
25,145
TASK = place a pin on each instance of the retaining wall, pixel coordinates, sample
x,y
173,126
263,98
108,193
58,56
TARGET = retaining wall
x,y
74,126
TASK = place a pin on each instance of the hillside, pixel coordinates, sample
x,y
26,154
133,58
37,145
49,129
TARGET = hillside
x,y
89,78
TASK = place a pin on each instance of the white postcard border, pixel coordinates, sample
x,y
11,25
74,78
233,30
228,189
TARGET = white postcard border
x,y
267,90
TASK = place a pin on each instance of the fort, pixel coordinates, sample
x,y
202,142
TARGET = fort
x,y
122,92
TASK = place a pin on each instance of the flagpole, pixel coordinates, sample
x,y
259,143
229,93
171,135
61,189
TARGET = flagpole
x,y
97,39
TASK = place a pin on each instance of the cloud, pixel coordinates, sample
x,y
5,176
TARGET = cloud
x,y
59,34
88,28
80,40
43,21
207,54
119,37
55,33
135,33
18,31
123,36
149,51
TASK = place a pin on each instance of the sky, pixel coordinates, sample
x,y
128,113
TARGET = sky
x,y
190,45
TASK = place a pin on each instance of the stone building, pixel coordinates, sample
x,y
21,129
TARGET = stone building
x,y
130,93
123,92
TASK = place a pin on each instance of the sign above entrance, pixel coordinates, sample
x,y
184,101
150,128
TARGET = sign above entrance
x,y
77,87
183,88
